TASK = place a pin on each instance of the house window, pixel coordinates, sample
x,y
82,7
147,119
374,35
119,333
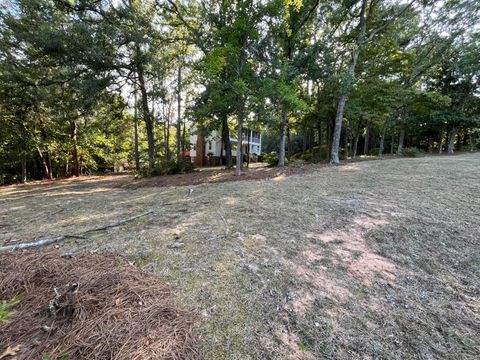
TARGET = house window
x,y
209,145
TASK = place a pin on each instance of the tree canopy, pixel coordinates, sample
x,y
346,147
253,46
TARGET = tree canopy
x,y
101,85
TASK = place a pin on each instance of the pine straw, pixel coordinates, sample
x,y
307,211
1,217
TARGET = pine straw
x,y
119,311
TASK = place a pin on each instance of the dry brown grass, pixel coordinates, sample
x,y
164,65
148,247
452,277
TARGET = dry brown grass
x,y
372,260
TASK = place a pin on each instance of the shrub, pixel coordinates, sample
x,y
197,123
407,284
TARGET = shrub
x,y
172,166
411,152
373,152
307,157
271,159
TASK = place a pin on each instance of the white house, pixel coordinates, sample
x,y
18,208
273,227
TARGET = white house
x,y
251,143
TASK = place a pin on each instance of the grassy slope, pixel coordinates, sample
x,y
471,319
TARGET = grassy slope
x,y
370,260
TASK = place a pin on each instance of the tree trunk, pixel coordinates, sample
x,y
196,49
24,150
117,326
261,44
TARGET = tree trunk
x,y
147,117
440,141
392,145
179,112
248,148
283,138
73,138
367,139
239,143
345,156
135,124
355,143
382,138
227,142
319,131
351,72
401,139
24,167
289,142
200,157
451,142
46,170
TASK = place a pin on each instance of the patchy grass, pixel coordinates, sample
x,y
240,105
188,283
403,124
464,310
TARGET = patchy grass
x,y
375,259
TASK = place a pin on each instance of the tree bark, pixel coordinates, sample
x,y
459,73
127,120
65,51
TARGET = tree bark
x,y
355,144
440,141
44,163
343,98
401,139
345,156
135,128
74,152
179,112
451,142
239,143
382,138
248,147
24,167
367,139
283,138
226,141
147,116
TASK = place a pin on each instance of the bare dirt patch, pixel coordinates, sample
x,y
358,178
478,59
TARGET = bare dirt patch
x,y
90,307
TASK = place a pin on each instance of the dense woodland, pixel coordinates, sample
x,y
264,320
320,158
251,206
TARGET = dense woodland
x,y
103,85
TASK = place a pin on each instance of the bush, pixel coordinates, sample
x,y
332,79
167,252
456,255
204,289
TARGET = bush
x,y
373,152
308,157
411,152
271,158
172,166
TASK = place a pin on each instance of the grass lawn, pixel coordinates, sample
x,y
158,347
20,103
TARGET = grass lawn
x,y
377,259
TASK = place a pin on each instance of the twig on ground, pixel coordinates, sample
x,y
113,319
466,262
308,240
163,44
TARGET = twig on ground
x,y
119,223
55,239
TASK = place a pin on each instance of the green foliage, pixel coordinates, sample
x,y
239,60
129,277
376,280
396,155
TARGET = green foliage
x,y
307,156
411,152
270,158
6,306
171,167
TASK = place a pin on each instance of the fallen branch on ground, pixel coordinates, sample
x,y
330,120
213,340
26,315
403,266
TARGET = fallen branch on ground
x,y
119,223
55,239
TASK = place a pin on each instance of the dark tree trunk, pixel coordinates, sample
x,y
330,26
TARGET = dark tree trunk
x,y
24,167
226,142
248,148
346,150
401,139
330,126
290,145
179,112
367,139
147,116
238,166
200,157
440,140
283,138
319,131
74,152
382,138
136,154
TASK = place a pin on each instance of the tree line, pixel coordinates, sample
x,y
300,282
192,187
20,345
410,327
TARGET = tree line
x,y
100,85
